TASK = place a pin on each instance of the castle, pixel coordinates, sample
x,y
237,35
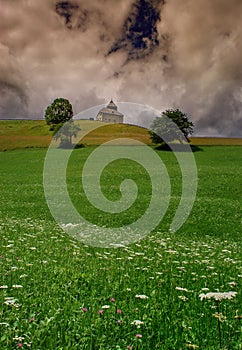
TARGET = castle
x,y
110,114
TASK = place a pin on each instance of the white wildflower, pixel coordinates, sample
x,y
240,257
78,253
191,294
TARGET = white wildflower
x,y
137,323
192,346
218,295
105,306
66,226
230,260
182,297
182,268
18,338
17,286
182,289
11,301
141,296
170,251
3,287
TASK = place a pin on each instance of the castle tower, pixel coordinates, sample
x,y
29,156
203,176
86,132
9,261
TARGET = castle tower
x,y
110,114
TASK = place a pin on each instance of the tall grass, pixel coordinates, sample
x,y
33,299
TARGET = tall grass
x,y
57,293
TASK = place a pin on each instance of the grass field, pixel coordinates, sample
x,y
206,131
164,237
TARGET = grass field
x,y
16,134
59,294
33,134
19,134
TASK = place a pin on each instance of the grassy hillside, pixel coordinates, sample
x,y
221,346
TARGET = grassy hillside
x,y
24,127
109,132
23,134
216,141
17,134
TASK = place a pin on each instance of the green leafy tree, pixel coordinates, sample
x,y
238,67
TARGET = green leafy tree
x,y
59,112
164,125
59,116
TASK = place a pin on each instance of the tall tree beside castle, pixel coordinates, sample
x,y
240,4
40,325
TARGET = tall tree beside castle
x,y
59,112
59,116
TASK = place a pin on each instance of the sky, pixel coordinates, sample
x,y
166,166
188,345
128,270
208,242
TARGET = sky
x,y
162,53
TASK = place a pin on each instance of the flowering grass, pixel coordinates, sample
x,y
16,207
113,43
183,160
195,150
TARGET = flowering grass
x,y
159,293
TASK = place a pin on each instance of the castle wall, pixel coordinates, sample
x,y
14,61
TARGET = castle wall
x,y
109,118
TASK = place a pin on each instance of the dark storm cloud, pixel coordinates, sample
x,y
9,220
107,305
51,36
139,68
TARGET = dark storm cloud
x,y
184,54
139,34
221,122
75,17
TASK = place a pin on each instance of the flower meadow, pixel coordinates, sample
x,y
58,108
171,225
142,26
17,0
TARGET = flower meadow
x,y
172,290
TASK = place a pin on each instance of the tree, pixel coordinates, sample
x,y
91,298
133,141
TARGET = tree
x,y
162,129
59,116
59,112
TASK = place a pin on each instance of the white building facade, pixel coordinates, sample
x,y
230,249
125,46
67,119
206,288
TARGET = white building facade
x,y
110,114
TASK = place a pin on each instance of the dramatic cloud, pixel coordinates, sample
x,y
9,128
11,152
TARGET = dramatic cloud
x,y
12,86
167,54
139,34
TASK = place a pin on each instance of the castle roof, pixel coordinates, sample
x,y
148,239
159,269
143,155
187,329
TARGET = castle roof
x,y
111,109
112,105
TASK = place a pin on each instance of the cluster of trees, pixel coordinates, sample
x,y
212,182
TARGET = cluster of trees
x,y
162,129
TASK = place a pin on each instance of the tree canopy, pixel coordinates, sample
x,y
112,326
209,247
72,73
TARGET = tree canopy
x,y
59,116
163,127
60,111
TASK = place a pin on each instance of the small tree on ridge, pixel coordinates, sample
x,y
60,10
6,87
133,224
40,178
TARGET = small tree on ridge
x,y
59,112
164,125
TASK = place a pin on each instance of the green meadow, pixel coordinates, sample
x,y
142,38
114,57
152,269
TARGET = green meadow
x,y
57,293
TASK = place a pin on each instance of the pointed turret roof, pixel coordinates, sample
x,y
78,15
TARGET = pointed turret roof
x,y
112,105
111,109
